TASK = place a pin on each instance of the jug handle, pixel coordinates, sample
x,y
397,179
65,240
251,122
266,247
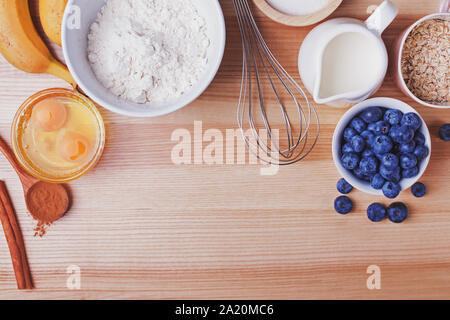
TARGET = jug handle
x,y
444,6
382,17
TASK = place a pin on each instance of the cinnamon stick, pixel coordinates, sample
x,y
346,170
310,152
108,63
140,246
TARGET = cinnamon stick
x,y
14,239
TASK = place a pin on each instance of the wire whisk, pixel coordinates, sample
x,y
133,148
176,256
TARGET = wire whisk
x,y
263,141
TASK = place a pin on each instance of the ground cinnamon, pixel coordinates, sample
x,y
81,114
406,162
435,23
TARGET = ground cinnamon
x,y
47,202
14,239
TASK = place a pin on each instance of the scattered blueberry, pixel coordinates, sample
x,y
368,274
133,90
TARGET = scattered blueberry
x,y
343,205
421,152
389,161
368,165
419,139
376,212
397,212
349,133
407,147
347,147
408,161
377,181
382,144
393,116
350,160
343,186
411,120
372,114
358,124
410,173
391,189
418,189
358,143
444,132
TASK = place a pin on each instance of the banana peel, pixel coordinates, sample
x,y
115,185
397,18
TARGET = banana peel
x,y
21,44
51,13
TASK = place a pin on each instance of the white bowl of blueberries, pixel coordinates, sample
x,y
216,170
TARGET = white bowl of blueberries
x,y
381,146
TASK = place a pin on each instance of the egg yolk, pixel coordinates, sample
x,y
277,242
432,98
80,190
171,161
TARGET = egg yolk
x,y
73,146
49,115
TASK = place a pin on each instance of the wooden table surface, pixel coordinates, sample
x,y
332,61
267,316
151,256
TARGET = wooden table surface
x,y
142,227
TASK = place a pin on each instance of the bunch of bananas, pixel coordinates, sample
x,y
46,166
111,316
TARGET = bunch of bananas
x,y
21,44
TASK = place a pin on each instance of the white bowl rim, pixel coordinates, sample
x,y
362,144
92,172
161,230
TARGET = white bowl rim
x,y
151,112
344,121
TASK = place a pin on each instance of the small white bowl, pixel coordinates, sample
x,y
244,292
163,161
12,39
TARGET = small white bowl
x,y
345,120
75,40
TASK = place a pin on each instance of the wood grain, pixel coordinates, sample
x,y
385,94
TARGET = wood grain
x,y
141,227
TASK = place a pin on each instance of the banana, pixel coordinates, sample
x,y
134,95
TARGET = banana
x,y
22,46
51,13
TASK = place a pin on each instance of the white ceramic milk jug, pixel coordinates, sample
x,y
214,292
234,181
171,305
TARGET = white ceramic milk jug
x,y
343,61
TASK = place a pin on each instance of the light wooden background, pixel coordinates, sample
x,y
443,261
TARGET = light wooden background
x,y
143,228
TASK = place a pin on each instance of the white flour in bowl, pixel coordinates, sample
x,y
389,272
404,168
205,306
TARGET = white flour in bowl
x,y
298,7
148,50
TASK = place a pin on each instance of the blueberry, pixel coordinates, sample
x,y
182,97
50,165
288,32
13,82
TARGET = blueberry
x,y
343,186
368,153
393,116
377,181
382,144
376,212
407,147
411,120
361,175
405,134
358,124
410,173
379,156
391,174
372,127
389,161
394,133
397,212
369,136
368,165
349,133
408,160
391,189
418,189
372,114
444,132
347,147
358,143
421,152
350,160
379,127
419,139
358,173
343,205
368,177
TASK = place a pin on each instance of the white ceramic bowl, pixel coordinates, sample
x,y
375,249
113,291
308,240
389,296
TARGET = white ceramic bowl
x,y
345,120
74,41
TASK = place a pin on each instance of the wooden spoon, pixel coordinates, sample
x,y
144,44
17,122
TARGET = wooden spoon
x,y
47,202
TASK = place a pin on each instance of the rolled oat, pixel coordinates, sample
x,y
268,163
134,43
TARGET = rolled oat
x,y
426,60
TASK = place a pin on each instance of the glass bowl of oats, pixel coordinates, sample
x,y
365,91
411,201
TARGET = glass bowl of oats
x,y
422,59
